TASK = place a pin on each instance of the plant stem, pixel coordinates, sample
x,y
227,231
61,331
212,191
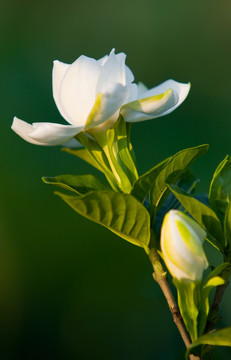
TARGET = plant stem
x,y
160,276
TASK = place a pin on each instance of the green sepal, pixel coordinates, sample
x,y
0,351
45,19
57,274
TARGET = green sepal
x,y
204,215
96,152
220,188
172,171
84,155
120,213
188,293
116,146
217,338
129,143
80,184
116,149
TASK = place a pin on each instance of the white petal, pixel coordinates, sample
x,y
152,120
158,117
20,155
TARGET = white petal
x,y
142,88
102,60
180,91
148,108
107,104
58,72
129,75
113,71
78,89
47,134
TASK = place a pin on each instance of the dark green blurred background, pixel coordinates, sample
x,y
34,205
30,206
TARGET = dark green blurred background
x,y
70,289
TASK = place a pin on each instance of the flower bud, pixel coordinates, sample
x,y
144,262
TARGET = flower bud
x,y
181,245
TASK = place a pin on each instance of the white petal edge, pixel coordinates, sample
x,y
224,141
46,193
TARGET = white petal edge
x,y
45,134
180,90
58,72
148,108
113,71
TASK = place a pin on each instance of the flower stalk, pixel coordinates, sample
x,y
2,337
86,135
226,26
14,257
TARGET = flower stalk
x,y
160,276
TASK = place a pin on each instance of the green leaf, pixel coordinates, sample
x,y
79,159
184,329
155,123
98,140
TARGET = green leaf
x,y
143,185
220,188
188,293
120,213
217,271
171,172
80,184
217,338
205,216
204,302
84,155
227,225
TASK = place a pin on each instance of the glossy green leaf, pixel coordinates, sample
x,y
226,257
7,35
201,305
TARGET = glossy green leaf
x,y
171,172
120,213
227,225
80,184
188,293
220,188
204,302
205,216
143,185
84,155
217,338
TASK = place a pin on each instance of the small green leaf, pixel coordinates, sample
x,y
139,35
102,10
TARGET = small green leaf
x,y
205,216
120,213
171,172
188,293
217,338
84,155
227,225
220,188
80,184
204,302
217,271
143,185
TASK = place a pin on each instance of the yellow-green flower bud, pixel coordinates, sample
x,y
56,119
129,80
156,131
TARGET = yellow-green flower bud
x,y
181,245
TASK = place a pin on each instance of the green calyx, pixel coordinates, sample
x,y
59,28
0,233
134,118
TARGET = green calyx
x,y
111,150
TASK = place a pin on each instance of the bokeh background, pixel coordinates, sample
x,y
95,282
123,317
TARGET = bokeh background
x,y
70,289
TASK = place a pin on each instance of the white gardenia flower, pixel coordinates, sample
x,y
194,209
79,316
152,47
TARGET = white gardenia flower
x,y
181,245
90,92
